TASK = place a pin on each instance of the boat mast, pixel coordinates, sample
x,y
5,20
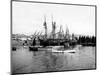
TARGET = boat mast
x,y
67,33
53,28
45,27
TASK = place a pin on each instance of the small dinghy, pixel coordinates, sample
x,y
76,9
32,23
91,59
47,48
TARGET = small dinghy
x,y
60,49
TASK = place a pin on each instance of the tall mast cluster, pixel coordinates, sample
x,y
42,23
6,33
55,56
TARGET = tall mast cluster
x,y
53,33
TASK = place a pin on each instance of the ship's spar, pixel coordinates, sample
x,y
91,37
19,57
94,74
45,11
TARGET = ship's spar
x,y
53,33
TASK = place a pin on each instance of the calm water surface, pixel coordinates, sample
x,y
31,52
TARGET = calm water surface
x,y
25,61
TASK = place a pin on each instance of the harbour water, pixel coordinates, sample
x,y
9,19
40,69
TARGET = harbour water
x,y
25,61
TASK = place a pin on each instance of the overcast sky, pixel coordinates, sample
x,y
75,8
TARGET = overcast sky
x,y
29,17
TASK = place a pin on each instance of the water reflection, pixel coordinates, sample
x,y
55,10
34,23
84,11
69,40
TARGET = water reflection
x,y
25,61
